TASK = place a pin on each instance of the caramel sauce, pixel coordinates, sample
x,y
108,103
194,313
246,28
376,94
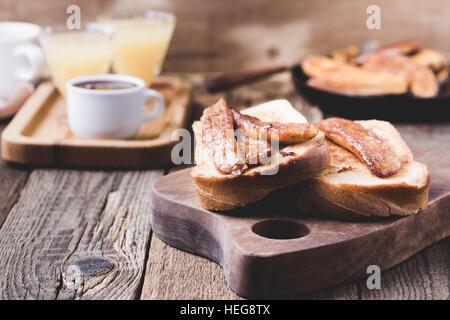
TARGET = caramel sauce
x,y
218,137
287,133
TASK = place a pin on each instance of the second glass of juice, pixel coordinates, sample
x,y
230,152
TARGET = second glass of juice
x,y
141,42
74,53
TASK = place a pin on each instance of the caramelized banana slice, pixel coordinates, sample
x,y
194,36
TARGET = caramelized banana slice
x,y
422,81
430,58
434,60
371,149
345,54
331,75
283,132
256,151
218,137
355,88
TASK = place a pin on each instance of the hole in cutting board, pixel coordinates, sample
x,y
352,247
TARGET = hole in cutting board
x,y
280,229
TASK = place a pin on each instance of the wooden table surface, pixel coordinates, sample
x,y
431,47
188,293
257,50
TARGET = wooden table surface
x,y
80,234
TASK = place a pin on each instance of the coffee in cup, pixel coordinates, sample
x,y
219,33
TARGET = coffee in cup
x,y
109,106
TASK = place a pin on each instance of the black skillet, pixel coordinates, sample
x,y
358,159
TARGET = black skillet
x,y
399,108
394,107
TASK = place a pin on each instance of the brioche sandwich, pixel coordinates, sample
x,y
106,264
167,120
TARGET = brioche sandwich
x,y
226,179
371,173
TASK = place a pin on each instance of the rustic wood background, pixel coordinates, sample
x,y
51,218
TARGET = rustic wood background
x,y
216,35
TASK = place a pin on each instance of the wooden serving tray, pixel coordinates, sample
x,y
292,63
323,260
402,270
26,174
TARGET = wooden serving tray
x,y
39,134
258,261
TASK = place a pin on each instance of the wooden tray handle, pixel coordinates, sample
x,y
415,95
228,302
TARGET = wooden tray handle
x,y
230,80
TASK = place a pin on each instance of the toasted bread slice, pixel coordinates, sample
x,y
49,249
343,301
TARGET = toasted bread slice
x,y
295,163
348,190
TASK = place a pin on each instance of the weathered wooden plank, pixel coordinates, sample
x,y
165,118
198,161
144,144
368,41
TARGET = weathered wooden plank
x,y
344,292
11,182
424,276
77,235
174,274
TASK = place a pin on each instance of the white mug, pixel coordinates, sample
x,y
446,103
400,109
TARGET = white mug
x,y
21,58
110,113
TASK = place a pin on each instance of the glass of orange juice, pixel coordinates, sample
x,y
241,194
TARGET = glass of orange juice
x,y
141,42
74,53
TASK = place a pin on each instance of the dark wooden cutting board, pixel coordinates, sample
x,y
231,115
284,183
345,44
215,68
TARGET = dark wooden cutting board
x,y
258,261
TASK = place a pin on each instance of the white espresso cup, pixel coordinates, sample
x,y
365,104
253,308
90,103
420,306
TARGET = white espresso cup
x,y
21,58
109,113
